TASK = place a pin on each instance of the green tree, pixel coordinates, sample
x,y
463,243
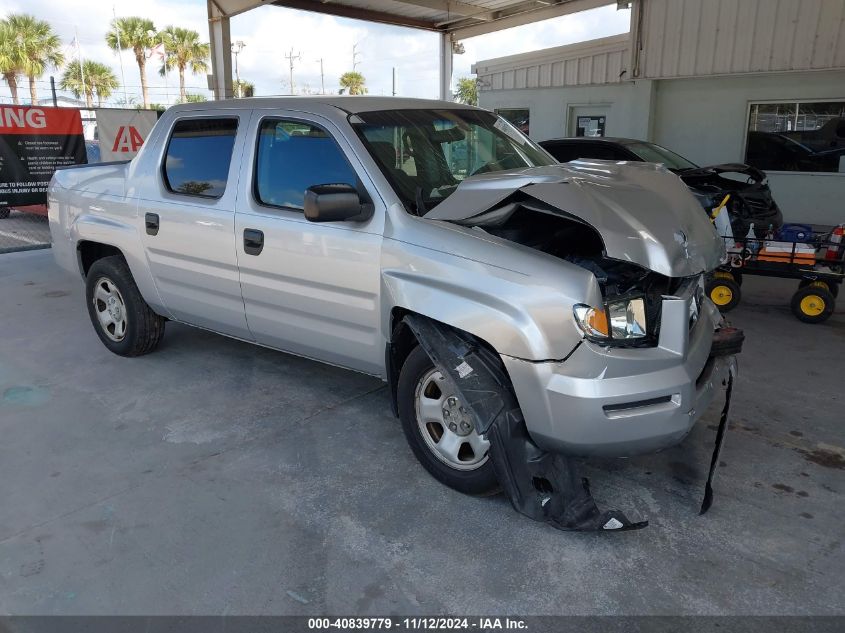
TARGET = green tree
x,y
244,88
353,83
93,79
183,51
193,98
12,62
36,46
139,36
467,91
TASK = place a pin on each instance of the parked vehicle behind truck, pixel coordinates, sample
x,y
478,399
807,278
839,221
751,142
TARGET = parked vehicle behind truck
x,y
750,202
340,229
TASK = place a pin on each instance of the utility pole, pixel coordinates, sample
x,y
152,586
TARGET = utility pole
x,y
291,59
120,57
355,54
53,91
237,47
394,81
79,59
322,78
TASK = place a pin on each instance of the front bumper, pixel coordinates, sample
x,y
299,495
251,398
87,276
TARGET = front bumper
x,y
617,402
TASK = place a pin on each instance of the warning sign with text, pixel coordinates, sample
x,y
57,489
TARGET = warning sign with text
x,y
122,132
35,141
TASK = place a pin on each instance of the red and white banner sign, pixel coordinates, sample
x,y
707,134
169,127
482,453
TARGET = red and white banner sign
x,y
123,132
34,141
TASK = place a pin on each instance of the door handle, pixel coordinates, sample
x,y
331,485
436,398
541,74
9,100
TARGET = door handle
x,y
151,222
253,241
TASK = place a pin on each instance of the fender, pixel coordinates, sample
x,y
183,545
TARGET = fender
x,y
534,323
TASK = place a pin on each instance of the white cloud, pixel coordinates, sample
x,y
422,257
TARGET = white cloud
x,y
271,32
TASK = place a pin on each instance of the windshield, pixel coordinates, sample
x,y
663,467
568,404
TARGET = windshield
x,y
426,153
652,153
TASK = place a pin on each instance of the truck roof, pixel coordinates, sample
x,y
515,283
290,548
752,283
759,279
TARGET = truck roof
x,y
347,103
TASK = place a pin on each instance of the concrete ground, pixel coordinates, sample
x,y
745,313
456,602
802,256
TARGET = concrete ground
x,y
215,477
23,231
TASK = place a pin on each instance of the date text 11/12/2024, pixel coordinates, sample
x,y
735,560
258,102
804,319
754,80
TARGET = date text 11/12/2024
x,y
417,623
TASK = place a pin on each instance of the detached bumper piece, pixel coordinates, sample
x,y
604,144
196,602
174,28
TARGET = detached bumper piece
x,y
540,485
726,342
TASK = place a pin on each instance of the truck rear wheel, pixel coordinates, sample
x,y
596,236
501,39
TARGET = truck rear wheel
x,y
440,430
122,319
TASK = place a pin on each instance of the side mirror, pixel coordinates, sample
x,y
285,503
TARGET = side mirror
x,y
335,203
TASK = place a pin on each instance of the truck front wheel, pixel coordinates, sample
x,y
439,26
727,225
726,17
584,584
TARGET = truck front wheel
x,y
440,429
122,319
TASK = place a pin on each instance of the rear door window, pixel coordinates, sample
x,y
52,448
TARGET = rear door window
x,y
198,156
294,155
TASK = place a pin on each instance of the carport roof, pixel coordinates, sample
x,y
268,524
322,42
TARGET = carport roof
x,y
460,18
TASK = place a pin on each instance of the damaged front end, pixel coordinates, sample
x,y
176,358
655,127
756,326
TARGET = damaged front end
x,y
645,367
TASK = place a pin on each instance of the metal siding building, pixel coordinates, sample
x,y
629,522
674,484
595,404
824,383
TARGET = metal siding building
x,y
687,76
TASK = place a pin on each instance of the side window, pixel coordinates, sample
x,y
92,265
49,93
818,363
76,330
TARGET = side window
x,y
198,156
293,156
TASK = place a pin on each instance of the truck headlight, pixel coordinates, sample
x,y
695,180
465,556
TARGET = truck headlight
x,y
622,320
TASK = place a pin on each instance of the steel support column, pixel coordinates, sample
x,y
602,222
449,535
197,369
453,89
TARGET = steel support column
x,y
445,67
221,52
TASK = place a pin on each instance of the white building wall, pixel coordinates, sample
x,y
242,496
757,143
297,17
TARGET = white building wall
x,y
552,110
684,38
703,119
699,66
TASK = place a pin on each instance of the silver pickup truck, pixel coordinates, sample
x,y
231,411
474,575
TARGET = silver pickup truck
x,y
355,230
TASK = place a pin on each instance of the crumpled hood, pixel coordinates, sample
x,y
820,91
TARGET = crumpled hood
x,y
643,213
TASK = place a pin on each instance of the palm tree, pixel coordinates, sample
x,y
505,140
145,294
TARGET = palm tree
x,y
39,48
92,79
244,88
467,91
12,62
183,51
139,35
353,83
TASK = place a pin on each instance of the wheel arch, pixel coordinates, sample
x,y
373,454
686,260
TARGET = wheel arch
x,y
402,342
89,251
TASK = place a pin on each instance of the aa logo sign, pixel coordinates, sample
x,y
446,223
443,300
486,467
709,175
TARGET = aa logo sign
x,y
128,140
123,132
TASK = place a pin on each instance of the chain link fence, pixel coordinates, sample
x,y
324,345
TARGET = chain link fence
x,y
24,229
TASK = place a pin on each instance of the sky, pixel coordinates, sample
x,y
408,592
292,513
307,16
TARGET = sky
x,y
270,33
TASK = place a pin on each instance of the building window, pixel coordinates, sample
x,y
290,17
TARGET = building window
x,y
520,118
797,136
198,156
590,125
292,156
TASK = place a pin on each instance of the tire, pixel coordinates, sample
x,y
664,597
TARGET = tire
x,y
465,471
122,319
813,304
4,213
832,288
723,292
